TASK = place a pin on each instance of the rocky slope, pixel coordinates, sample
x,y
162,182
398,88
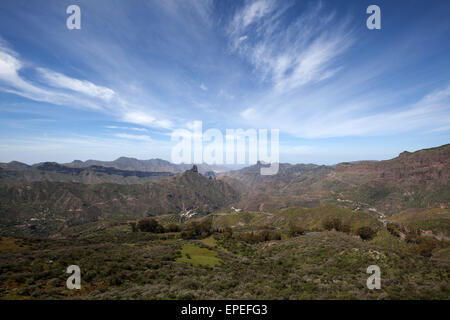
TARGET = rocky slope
x,y
16,173
45,208
419,179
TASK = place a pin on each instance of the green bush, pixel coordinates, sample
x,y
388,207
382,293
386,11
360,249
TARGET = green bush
x,y
366,233
149,225
173,227
335,224
227,233
393,228
261,236
197,230
295,230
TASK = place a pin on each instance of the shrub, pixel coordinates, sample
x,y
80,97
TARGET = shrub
x,y
255,237
133,226
393,228
295,230
344,227
335,224
424,246
173,227
366,233
149,225
227,233
197,230
327,224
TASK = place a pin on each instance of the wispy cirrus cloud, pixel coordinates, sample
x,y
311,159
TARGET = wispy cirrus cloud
x,y
59,80
145,119
318,92
133,137
60,89
12,82
252,12
126,128
360,119
289,54
309,68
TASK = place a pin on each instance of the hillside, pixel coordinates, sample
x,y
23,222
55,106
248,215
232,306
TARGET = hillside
x,y
308,218
433,222
120,264
411,180
12,173
45,208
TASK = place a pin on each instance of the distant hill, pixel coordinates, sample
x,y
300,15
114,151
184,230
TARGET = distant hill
x,y
16,173
45,208
152,165
44,198
418,179
122,171
14,165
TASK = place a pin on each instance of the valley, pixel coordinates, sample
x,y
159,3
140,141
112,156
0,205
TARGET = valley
x,y
308,232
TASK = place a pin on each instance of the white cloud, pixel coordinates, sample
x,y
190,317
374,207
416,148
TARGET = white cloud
x,y
133,137
8,64
12,82
139,117
357,120
243,38
251,13
203,87
145,119
86,87
81,94
290,55
296,57
126,128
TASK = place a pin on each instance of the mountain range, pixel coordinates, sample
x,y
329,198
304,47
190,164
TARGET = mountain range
x,y
152,165
412,180
45,198
43,208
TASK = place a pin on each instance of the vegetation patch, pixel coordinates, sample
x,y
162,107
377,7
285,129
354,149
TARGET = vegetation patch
x,y
210,242
7,243
198,256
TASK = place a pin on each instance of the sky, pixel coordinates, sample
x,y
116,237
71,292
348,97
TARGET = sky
x,y
138,70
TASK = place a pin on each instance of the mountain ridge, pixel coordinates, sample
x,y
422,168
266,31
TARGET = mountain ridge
x,y
411,179
44,208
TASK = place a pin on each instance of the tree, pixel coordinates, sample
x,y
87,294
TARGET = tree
x,y
393,228
133,226
344,227
148,225
295,230
366,233
332,223
227,233
173,227
196,230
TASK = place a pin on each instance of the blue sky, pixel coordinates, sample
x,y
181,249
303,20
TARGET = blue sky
x,y
137,70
